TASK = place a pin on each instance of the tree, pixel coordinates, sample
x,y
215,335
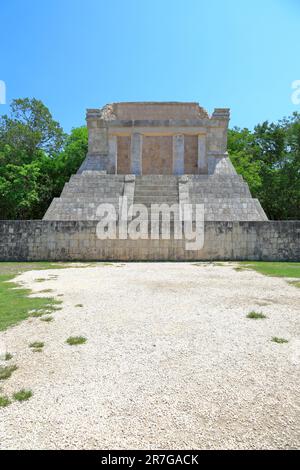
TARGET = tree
x,y
269,160
30,127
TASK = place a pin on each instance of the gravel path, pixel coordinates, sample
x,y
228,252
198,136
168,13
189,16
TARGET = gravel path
x,y
171,361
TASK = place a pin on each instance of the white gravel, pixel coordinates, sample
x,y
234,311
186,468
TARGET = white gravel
x,y
171,361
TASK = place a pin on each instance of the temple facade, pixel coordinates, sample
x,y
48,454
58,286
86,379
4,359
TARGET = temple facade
x,y
155,138
157,153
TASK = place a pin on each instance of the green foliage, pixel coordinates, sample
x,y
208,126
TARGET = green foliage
x,y
277,340
5,372
269,160
75,340
4,401
256,315
36,159
30,127
36,344
22,395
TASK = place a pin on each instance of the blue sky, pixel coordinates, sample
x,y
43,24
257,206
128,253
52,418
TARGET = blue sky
x,y
78,54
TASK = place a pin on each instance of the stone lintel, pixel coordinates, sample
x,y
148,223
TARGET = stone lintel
x,y
159,123
156,131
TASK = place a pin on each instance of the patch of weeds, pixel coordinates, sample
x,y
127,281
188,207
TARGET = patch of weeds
x,y
37,344
22,395
17,305
53,308
45,291
75,340
275,269
47,319
40,279
277,340
8,357
79,305
295,283
60,295
239,268
48,308
6,372
4,401
256,315
38,313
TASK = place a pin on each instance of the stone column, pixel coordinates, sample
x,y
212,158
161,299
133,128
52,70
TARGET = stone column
x,y
178,154
112,153
136,153
202,154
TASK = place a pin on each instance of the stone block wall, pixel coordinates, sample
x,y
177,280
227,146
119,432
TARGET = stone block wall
x,y
68,240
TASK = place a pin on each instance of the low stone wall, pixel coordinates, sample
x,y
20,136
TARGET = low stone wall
x,y
26,240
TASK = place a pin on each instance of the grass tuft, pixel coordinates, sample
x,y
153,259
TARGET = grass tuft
x,y
277,340
256,315
22,395
8,357
295,283
47,319
5,372
79,305
75,340
37,344
4,401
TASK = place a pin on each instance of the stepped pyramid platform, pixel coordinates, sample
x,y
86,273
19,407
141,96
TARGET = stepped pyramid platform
x,y
157,153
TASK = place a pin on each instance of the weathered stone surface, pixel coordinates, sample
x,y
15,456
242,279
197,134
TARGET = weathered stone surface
x,y
157,124
55,240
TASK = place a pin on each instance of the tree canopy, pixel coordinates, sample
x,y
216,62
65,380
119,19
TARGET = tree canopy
x,y
269,160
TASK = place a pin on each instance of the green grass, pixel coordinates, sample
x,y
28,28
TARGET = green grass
x,y
37,344
275,269
15,303
75,340
6,372
256,315
277,340
295,283
22,395
4,401
8,357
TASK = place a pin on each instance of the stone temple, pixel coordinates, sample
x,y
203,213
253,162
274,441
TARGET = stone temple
x,y
155,152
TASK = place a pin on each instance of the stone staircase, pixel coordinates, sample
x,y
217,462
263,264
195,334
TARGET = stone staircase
x,y
225,197
82,195
156,189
